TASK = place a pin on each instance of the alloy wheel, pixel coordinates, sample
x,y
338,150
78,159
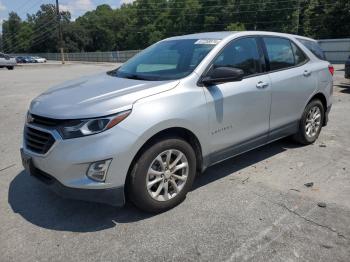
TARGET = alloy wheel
x,y
313,121
167,175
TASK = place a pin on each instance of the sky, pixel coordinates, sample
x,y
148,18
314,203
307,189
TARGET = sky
x,y
76,7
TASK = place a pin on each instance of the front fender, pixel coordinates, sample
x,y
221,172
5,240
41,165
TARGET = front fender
x,y
180,107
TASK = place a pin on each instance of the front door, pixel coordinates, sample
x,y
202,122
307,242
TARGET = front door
x,y
239,111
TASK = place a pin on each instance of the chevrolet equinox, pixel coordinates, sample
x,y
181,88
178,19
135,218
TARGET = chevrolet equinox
x,y
144,130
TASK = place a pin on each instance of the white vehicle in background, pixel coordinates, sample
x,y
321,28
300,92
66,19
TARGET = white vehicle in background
x,y
7,61
38,59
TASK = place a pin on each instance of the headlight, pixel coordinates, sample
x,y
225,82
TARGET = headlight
x,y
86,127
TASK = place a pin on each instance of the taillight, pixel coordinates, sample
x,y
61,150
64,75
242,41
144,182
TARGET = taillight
x,y
331,69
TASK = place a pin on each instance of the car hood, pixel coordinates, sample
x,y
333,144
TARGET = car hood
x,y
95,96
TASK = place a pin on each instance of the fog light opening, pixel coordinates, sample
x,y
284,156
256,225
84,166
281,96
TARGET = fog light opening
x,y
97,171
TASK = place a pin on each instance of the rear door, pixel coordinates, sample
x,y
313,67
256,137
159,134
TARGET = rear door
x,y
239,111
292,83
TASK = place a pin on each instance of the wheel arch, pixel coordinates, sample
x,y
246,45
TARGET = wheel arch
x,y
323,99
179,132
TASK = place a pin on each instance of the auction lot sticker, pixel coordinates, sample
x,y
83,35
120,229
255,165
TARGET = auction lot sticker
x,y
207,42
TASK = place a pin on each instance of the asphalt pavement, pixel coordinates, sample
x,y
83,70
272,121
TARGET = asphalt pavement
x,y
254,207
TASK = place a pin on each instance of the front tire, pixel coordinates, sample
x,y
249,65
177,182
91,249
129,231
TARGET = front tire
x,y
10,67
162,176
311,123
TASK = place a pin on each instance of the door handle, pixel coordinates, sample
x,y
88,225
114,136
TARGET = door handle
x,y
307,73
262,85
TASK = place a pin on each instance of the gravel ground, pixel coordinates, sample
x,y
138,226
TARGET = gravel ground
x,y
254,207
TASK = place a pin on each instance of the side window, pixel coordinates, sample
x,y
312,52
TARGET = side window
x,y
280,52
242,54
299,56
313,47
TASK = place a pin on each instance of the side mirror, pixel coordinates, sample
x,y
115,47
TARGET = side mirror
x,y
222,75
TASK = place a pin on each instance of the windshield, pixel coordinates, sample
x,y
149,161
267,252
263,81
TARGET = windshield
x,y
166,60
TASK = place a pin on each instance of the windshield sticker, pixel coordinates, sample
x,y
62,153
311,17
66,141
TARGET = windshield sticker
x,y
207,42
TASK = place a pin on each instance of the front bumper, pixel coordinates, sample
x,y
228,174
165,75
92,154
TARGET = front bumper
x,y
110,196
67,162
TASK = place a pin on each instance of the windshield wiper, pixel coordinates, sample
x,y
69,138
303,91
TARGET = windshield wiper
x,y
136,77
112,72
115,73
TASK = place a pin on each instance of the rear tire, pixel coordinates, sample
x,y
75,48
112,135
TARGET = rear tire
x,y
10,67
162,176
310,123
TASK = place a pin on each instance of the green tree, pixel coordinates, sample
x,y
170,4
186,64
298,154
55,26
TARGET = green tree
x,y
143,22
45,34
235,27
10,30
324,19
24,35
100,27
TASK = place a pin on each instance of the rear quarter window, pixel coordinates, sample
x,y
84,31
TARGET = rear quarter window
x,y
314,47
299,56
280,53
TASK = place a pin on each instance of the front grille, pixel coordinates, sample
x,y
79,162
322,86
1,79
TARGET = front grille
x,y
38,141
44,121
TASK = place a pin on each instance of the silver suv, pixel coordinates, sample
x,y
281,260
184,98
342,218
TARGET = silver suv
x,y
7,61
144,130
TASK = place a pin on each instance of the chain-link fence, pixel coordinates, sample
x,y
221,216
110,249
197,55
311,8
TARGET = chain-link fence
x,y
117,57
336,51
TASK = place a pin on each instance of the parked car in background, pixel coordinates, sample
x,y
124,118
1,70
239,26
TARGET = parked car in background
x,y
38,59
7,61
30,59
347,68
144,130
21,60
25,59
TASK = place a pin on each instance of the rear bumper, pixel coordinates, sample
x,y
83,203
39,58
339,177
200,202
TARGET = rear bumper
x,y
326,118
